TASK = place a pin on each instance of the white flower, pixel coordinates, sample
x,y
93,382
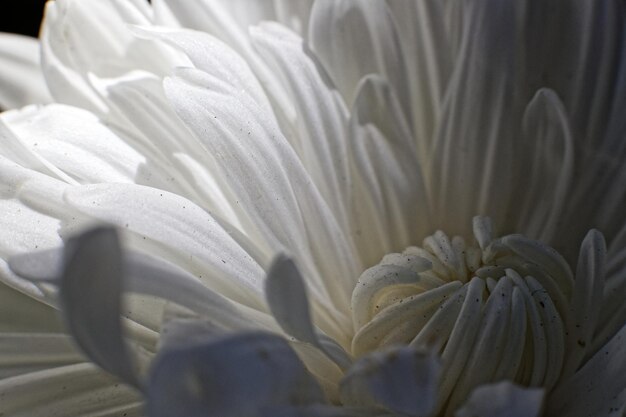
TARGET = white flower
x,y
306,227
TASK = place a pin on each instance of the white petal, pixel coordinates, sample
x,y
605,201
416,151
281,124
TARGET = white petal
x,y
388,212
503,400
91,298
474,154
402,380
320,130
287,298
22,353
428,52
21,80
21,313
354,38
186,235
598,388
148,275
545,182
71,391
234,376
586,300
75,142
267,180
92,37
214,17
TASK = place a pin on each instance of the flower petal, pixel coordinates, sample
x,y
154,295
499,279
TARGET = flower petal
x,y
187,235
320,130
402,380
75,142
596,389
503,399
586,300
549,167
428,53
21,80
354,38
388,212
72,391
268,182
91,298
286,296
22,353
246,374
475,151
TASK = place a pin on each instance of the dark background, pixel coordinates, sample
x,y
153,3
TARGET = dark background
x,y
21,16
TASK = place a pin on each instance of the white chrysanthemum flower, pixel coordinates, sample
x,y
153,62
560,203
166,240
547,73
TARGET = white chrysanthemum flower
x,y
345,208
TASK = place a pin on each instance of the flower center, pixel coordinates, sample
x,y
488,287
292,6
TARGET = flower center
x,y
492,311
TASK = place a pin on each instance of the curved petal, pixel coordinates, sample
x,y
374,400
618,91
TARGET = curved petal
x,y
73,390
401,380
21,79
267,180
388,212
319,136
474,158
586,300
91,299
22,353
239,375
427,49
354,38
503,399
287,299
549,166
186,234
598,388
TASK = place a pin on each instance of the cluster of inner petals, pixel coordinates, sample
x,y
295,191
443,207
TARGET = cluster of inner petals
x,y
492,310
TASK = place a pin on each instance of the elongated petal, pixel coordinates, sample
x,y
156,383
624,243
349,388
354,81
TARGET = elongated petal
x,y
22,353
503,399
354,38
475,149
92,37
549,166
287,298
75,142
186,234
586,299
73,390
234,376
388,212
268,182
401,380
21,79
428,52
320,130
91,296
598,388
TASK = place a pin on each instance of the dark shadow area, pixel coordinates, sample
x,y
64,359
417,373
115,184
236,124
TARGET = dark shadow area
x,y
23,16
